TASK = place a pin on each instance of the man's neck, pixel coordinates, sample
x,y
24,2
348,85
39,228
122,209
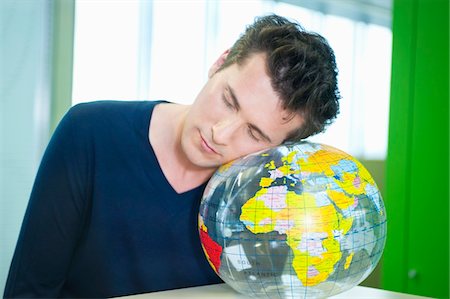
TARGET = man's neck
x,y
165,137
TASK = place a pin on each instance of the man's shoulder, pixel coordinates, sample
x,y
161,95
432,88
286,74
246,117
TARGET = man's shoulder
x,y
110,112
98,108
103,118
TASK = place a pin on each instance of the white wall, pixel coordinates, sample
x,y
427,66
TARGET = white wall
x,y
24,108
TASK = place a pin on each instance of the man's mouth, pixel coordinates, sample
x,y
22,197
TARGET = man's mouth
x,y
206,147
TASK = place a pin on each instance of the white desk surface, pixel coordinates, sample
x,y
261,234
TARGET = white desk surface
x,y
222,291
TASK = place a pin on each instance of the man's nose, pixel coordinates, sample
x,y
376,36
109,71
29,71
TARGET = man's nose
x,y
223,130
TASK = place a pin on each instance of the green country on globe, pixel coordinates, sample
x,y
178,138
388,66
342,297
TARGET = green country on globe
x,y
301,220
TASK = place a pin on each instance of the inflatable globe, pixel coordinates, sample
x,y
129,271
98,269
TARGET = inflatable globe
x,y
301,220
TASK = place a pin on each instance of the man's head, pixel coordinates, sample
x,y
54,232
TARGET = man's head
x,y
301,66
277,83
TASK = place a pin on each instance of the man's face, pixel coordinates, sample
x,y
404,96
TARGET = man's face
x,y
236,113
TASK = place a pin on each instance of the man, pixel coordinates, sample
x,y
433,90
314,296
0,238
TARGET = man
x,y
113,209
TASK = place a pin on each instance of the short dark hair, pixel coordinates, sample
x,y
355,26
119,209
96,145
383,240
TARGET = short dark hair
x,y
302,68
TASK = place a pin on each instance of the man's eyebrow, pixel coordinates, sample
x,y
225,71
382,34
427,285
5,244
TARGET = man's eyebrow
x,y
238,107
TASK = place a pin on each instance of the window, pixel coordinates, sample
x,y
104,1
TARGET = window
x,y
130,50
106,50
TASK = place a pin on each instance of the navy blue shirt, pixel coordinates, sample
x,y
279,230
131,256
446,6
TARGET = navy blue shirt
x,y
103,220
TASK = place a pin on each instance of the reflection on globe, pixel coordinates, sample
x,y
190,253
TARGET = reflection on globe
x,y
302,220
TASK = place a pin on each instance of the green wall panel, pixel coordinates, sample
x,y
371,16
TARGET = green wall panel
x,y
62,59
428,222
416,258
403,55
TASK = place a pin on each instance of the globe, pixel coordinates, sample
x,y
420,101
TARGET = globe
x,y
301,220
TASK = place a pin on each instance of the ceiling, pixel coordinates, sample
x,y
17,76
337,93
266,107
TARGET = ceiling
x,y
369,11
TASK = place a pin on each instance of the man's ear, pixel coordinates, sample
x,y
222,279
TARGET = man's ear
x,y
216,65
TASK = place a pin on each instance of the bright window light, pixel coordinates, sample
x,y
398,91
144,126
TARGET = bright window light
x,y
141,49
178,66
105,50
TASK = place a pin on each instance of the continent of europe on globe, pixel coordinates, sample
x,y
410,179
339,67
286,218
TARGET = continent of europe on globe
x,y
301,220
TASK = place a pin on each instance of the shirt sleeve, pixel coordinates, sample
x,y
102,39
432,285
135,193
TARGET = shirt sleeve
x,y
55,215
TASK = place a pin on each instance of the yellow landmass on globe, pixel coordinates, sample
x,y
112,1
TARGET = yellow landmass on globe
x,y
265,182
302,217
348,260
308,218
225,167
352,182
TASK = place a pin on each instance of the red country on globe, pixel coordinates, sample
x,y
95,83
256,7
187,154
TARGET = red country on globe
x,y
211,248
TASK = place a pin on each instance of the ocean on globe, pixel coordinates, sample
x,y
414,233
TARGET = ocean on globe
x,y
302,220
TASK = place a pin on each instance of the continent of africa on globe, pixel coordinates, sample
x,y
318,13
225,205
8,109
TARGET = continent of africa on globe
x,y
302,220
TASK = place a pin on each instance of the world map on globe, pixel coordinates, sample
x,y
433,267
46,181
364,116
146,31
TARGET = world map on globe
x,y
299,220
